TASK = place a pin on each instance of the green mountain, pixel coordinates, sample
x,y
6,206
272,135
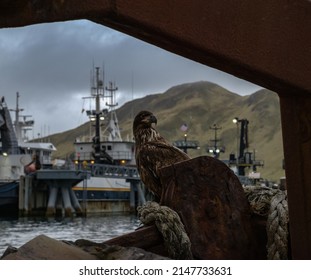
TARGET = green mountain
x,y
200,105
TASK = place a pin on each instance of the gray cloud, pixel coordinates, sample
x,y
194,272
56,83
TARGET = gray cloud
x,y
50,64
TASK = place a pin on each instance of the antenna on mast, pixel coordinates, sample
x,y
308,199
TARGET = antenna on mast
x,y
21,125
114,130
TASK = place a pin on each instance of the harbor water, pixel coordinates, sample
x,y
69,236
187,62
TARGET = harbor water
x,y
97,228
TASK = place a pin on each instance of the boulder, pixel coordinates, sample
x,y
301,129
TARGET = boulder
x,y
43,247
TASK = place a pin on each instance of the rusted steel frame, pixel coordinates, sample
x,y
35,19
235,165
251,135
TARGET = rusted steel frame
x,y
265,42
26,12
152,240
296,129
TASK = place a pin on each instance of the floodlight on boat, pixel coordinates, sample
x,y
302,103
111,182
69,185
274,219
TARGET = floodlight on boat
x,y
235,120
5,154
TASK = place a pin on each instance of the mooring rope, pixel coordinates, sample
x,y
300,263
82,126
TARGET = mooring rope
x,y
259,198
277,228
264,201
272,203
167,221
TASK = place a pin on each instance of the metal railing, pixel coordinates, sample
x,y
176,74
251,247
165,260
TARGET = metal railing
x,y
114,171
116,155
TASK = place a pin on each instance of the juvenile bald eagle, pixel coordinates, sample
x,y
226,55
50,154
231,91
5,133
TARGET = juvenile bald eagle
x,y
152,151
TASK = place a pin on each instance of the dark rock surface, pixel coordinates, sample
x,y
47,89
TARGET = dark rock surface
x,y
43,247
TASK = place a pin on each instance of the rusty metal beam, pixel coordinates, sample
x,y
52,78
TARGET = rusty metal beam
x,y
265,42
296,129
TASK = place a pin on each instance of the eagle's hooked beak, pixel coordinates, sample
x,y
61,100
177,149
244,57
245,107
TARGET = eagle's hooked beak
x,y
153,119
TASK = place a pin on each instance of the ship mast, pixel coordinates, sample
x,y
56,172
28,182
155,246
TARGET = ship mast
x,y
106,146
112,130
21,127
109,94
16,123
98,92
113,127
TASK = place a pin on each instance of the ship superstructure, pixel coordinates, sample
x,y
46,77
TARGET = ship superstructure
x,y
105,144
110,159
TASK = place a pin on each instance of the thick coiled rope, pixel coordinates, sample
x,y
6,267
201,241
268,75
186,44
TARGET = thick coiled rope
x,y
264,201
277,228
271,203
259,198
167,221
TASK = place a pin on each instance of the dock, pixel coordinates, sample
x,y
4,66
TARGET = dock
x,y
50,192
130,173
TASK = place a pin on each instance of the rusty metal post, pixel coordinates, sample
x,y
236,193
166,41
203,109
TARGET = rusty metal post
x,y
296,125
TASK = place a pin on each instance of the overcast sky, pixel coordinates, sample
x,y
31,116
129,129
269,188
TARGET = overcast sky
x,y
50,65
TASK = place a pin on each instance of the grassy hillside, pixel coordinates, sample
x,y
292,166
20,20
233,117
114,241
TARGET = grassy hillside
x,y
201,105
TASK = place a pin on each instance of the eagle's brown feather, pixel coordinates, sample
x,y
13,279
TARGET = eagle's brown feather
x,y
152,152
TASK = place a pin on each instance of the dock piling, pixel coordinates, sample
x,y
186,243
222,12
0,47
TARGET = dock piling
x,y
50,191
53,191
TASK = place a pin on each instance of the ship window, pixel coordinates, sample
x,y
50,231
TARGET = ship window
x,y
109,148
81,148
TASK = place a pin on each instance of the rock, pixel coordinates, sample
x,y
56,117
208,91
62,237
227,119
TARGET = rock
x,y
9,250
43,247
114,252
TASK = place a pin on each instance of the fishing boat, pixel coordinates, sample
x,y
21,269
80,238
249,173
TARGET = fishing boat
x,y
109,158
17,154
